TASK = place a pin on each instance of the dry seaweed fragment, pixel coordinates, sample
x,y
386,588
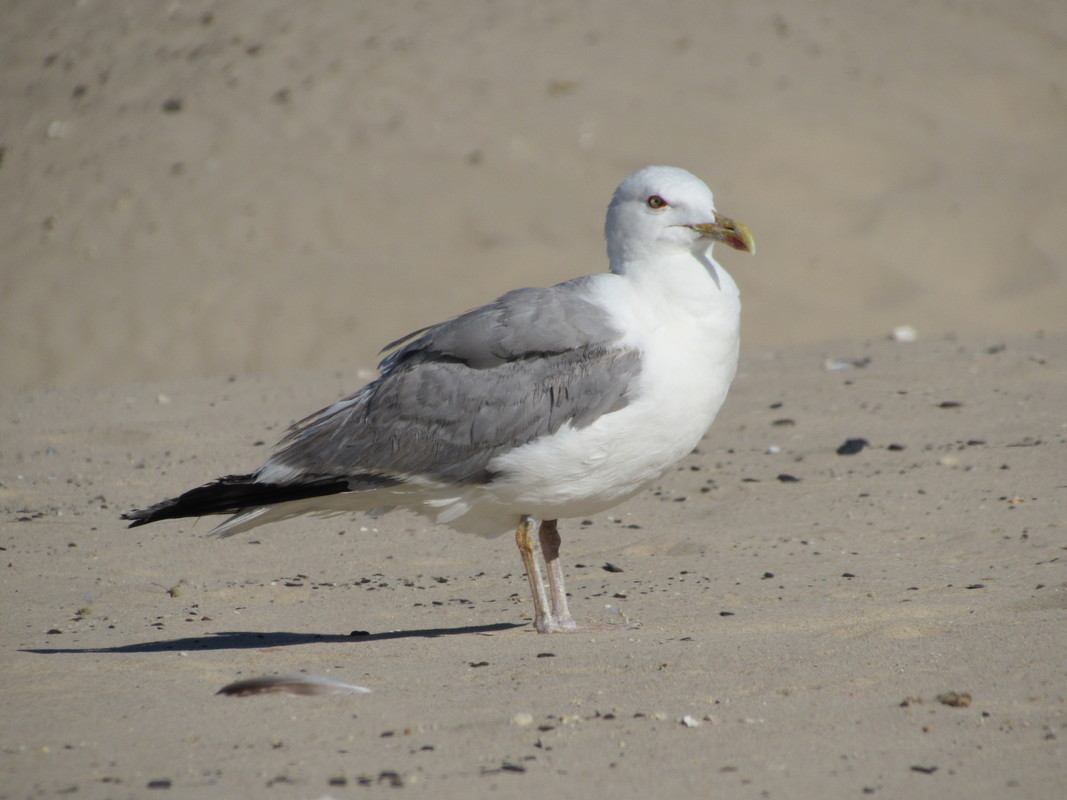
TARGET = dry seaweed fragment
x,y
306,685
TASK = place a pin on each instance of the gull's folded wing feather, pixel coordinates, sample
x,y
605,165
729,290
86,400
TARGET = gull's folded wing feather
x,y
468,389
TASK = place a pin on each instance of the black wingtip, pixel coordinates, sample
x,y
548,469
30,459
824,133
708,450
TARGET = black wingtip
x,y
138,517
220,496
231,495
166,509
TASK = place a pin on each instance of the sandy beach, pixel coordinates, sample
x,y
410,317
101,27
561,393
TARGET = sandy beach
x,y
217,213
804,608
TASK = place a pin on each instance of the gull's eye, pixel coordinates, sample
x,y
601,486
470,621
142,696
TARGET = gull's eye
x,y
656,202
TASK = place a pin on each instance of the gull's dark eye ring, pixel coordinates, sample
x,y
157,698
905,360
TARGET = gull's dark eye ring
x,y
656,202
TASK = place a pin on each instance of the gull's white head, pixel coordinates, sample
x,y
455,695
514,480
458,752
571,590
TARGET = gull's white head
x,y
663,211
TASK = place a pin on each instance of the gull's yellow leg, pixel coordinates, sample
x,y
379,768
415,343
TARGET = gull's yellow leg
x,y
544,621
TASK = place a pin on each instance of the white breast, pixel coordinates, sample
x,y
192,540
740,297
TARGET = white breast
x,y
689,348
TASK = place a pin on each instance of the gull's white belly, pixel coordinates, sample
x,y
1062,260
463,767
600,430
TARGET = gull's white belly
x,y
578,472
597,466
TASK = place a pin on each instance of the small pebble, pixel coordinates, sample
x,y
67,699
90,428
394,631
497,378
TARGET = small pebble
x,y
852,446
955,699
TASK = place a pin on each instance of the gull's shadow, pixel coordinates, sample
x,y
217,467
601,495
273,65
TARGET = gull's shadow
x,y
243,640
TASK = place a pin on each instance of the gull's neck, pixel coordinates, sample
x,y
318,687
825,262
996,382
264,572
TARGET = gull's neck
x,y
682,278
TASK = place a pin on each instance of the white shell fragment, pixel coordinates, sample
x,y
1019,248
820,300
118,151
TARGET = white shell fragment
x,y
904,333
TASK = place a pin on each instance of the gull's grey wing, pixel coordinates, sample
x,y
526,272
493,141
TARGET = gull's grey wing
x,y
520,323
468,389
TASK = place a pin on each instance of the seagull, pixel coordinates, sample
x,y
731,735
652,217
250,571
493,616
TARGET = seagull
x,y
547,403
